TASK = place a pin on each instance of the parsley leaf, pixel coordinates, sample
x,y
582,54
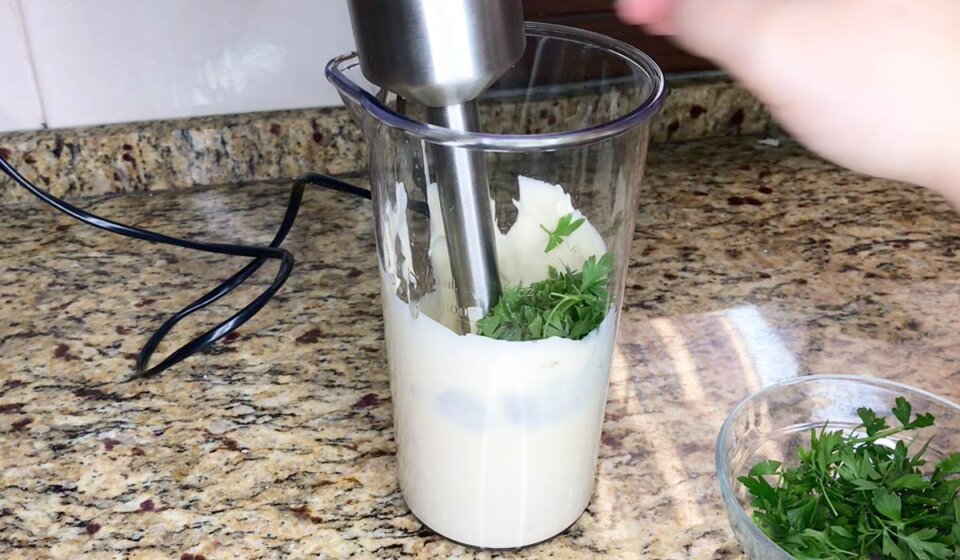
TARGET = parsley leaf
x,y
852,497
565,227
569,304
902,411
950,465
887,504
871,423
922,545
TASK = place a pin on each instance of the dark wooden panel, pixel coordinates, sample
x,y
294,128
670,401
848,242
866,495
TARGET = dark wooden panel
x,y
670,57
598,16
536,9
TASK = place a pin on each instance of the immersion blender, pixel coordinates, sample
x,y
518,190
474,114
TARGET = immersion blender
x,y
444,54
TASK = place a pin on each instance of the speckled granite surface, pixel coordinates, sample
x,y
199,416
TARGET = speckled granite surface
x,y
751,264
282,145
183,153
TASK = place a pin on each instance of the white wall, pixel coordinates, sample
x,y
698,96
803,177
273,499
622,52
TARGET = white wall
x,y
19,99
82,62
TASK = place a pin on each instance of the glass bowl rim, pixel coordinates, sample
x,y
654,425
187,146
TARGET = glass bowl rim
x,y
637,116
720,453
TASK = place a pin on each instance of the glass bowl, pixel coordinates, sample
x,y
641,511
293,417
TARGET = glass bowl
x,y
771,424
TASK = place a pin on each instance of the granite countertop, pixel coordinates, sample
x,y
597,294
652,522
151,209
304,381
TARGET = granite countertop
x,y
751,263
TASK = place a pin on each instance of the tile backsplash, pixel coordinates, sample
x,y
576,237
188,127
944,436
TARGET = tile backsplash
x,y
109,61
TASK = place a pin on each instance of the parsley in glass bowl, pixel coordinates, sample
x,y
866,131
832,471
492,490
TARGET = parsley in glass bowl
x,y
834,466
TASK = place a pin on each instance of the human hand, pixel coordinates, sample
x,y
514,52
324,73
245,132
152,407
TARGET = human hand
x,y
873,85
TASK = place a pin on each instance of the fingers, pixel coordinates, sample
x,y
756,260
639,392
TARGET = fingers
x,y
725,31
870,84
651,13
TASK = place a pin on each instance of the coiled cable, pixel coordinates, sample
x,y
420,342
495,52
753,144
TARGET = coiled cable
x,y
259,254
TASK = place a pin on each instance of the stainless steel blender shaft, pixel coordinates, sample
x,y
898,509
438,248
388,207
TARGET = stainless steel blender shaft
x,y
443,54
467,221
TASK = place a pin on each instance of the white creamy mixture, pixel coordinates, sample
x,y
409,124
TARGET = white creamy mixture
x,y
496,440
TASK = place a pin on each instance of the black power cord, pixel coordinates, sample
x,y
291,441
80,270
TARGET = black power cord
x,y
259,254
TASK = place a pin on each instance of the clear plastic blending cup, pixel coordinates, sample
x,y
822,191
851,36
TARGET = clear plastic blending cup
x,y
497,439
